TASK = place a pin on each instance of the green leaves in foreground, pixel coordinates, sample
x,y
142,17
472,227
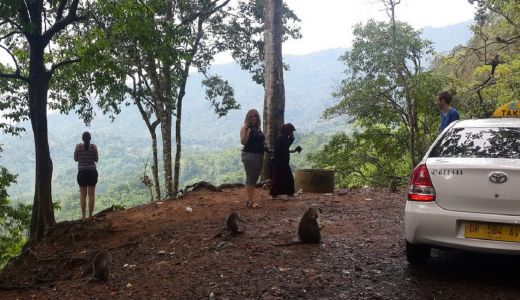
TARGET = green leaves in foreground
x,y
14,221
390,97
373,157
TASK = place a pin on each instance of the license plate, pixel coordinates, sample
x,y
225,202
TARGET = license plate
x,y
492,231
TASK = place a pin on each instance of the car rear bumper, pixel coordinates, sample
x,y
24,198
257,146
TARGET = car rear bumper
x,y
428,224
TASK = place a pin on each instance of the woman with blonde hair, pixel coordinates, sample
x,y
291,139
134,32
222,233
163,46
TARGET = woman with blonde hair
x,y
253,139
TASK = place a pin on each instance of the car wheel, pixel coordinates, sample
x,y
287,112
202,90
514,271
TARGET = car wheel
x,y
417,254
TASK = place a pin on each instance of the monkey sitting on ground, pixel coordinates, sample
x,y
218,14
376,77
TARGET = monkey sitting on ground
x,y
309,229
231,225
101,265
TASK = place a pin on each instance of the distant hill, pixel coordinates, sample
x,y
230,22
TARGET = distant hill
x,y
124,144
446,38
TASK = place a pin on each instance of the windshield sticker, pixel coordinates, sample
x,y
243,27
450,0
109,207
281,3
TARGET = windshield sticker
x,y
446,172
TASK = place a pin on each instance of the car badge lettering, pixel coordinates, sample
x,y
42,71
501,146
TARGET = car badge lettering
x,y
498,177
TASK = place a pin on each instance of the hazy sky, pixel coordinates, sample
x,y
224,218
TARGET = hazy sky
x,y
328,23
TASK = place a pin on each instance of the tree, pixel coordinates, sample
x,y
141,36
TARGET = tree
x,y
364,158
274,99
375,92
27,32
484,72
389,95
238,29
14,221
140,42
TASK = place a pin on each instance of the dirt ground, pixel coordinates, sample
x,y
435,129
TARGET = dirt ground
x,y
162,251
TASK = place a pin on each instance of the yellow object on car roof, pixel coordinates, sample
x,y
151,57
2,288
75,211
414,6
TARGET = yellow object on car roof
x,y
508,110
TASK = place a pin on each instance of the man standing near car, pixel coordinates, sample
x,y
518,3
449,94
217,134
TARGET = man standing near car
x,y
448,113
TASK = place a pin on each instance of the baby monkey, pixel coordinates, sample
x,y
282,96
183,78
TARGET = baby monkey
x,y
101,265
231,225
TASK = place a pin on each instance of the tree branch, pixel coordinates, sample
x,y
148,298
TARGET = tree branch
x,y
14,76
63,23
61,8
63,63
13,23
14,59
206,12
24,12
10,34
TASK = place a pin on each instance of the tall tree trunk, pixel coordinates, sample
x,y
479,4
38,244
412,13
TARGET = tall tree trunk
x,y
166,122
155,166
180,98
166,135
151,129
42,219
274,100
399,67
178,142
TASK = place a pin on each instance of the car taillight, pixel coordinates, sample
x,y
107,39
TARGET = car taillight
x,y
421,186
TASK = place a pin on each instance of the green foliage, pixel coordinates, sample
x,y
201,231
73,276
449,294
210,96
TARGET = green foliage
x,y
121,164
248,21
365,158
390,97
220,94
485,72
14,221
20,33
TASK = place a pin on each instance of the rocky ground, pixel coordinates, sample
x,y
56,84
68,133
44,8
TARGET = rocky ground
x,y
163,251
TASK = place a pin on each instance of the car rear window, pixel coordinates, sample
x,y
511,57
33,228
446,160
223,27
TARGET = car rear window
x,y
479,143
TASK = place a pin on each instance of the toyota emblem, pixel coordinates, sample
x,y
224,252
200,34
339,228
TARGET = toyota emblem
x,y
498,177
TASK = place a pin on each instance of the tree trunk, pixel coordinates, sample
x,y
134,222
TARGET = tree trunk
x,y
178,143
151,129
42,219
180,98
155,166
274,99
166,122
399,67
166,130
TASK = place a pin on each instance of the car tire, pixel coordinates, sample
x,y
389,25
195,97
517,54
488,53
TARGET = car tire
x,y
417,254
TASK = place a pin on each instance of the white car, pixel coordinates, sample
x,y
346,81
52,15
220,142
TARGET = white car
x,y
465,193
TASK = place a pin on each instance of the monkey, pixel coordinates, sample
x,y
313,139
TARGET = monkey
x,y
308,229
101,265
231,225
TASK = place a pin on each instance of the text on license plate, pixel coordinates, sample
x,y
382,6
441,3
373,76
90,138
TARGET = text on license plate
x,y
492,231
